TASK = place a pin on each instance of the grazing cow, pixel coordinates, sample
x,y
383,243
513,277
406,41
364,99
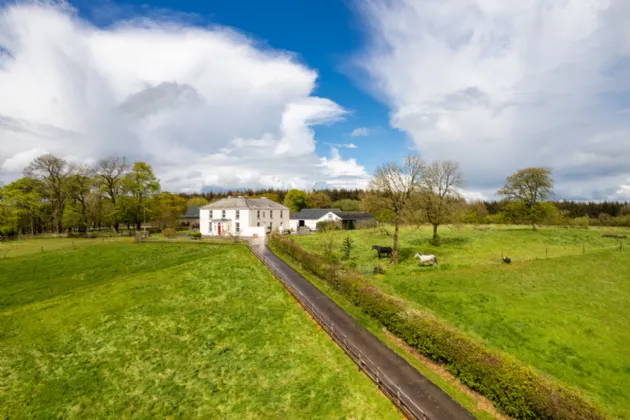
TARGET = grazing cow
x,y
426,258
507,260
383,250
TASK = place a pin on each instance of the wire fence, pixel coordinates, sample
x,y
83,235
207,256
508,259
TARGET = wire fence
x,y
388,386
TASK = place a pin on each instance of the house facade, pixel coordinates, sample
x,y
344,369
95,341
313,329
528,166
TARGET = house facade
x,y
308,218
239,216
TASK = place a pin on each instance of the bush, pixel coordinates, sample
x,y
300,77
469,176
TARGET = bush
x,y
7,232
327,226
169,232
195,235
516,388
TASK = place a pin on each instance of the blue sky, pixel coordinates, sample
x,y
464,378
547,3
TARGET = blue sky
x,y
250,93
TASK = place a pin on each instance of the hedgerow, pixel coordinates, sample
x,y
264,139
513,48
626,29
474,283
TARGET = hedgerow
x,y
518,389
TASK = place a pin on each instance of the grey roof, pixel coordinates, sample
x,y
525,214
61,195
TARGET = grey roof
x,y
192,212
314,214
241,203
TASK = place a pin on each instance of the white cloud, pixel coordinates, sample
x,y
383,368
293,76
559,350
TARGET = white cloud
x,y
203,105
501,85
361,132
344,145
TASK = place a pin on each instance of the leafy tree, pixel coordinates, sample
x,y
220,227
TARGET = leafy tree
x,y
141,184
347,204
439,198
348,246
167,209
196,201
79,187
529,187
53,172
318,200
111,172
295,200
392,190
23,198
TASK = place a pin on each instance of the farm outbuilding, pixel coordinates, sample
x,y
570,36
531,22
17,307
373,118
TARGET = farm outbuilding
x,y
308,218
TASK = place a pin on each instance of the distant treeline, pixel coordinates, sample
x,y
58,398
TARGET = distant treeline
x,y
275,194
575,209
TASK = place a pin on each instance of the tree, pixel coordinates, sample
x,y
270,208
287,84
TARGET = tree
x,y
529,187
53,172
23,198
79,187
318,200
392,189
111,172
196,201
142,184
295,200
347,204
439,198
167,209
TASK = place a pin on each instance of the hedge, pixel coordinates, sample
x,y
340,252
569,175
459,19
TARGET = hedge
x,y
519,390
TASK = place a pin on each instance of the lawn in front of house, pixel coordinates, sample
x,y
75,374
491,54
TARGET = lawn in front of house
x,y
166,330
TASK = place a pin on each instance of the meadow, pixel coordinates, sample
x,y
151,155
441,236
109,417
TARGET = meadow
x,y
124,330
560,306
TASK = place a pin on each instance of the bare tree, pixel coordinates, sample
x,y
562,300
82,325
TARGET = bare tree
x,y
53,172
392,189
111,172
80,183
439,198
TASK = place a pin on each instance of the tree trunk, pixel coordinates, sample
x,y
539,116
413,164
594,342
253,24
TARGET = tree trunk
x,y
138,225
435,235
533,226
395,247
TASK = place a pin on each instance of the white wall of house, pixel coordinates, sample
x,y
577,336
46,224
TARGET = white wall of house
x,y
312,223
248,223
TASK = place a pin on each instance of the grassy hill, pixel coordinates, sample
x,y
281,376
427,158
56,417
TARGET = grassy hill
x,y
112,330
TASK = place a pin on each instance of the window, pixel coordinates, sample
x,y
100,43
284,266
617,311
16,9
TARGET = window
x,y
330,215
210,214
238,225
281,214
259,214
270,225
258,224
238,214
222,214
271,214
263,214
210,225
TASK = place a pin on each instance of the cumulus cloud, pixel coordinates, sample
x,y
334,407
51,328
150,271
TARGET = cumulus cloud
x,y
361,132
501,85
204,105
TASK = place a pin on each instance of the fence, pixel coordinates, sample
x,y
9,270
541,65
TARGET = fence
x,y
404,403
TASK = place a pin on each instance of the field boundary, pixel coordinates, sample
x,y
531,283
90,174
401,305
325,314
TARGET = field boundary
x,y
409,406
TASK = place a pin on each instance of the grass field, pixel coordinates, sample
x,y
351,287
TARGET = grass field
x,y
115,330
566,314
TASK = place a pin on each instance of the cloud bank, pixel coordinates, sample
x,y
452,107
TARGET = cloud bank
x,y
503,85
205,106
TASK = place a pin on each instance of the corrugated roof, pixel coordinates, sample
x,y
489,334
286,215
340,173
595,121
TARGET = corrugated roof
x,y
241,203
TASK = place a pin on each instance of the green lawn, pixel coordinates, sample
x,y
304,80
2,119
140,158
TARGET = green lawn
x,y
154,330
567,315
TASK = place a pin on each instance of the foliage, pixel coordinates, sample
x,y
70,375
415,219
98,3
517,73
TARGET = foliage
x,y
347,204
327,225
519,390
169,232
195,235
196,201
348,246
318,200
295,200
529,187
166,209
125,330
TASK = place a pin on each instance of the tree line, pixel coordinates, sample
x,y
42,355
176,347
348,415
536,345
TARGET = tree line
x,y
54,195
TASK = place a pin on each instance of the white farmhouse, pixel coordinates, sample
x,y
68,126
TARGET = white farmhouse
x,y
243,217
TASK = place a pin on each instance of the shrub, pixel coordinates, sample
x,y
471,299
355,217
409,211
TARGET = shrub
x,y
169,232
327,226
195,235
516,388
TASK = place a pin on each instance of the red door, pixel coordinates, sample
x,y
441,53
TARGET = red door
x,y
219,228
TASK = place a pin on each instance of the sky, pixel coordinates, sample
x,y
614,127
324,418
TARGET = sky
x,y
297,94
